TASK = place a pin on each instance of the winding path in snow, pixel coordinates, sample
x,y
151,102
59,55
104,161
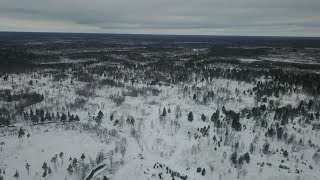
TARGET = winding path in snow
x,y
96,171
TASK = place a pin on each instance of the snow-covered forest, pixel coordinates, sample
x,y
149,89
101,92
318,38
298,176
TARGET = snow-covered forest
x,y
94,107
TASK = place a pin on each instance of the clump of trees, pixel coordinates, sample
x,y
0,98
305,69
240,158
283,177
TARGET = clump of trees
x,y
40,116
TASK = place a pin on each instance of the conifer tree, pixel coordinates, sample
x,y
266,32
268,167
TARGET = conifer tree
x,y
164,112
69,169
190,116
99,118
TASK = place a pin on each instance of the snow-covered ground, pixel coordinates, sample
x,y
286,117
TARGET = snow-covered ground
x,y
40,147
154,145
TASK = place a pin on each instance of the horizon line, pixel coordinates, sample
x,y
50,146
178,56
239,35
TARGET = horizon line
x,y
157,34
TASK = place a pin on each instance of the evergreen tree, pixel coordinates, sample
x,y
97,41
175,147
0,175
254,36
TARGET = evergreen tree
x,y
203,173
21,133
194,96
100,114
31,114
63,117
270,132
44,166
28,168
164,112
279,132
190,116
77,118
41,113
42,119
198,169
58,115
240,160
204,99
35,119
48,116
266,147
246,157
236,123
49,170
69,169
44,174
99,118
54,160
203,117
233,158
71,118
83,156
61,156
74,162
16,174
215,117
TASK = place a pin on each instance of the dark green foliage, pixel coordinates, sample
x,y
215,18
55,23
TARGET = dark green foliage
x,y
82,156
70,169
71,118
77,118
48,116
240,160
49,170
74,162
99,118
5,120
164,112
194,97
21,133
42,119
44,166
265,148
222,51
236,125
233,158
100,114
35,119
198,169
190,116
203,117
215,117
41,113
203,173
63,117
246,157
270,132
279,132
16,174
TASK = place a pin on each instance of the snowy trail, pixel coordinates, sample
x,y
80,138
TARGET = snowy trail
x,y
96,171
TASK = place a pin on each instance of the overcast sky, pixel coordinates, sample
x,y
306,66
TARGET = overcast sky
x,y
210,17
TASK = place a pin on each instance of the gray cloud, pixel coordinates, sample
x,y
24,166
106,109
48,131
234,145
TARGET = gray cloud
x,y
233,17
